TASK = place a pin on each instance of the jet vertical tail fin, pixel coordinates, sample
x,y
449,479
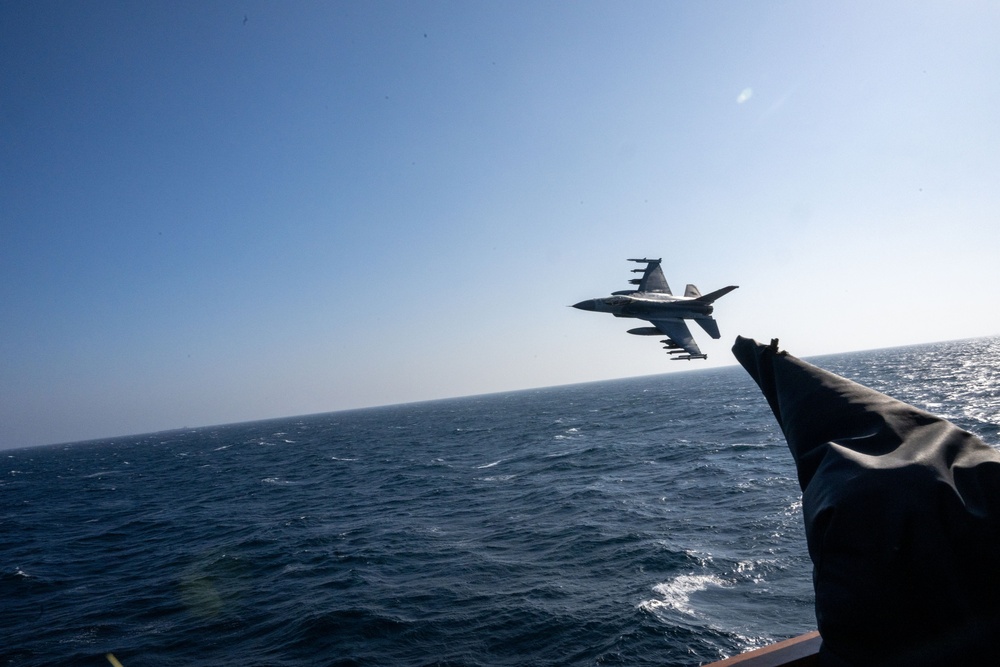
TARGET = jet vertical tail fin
x,y
692,291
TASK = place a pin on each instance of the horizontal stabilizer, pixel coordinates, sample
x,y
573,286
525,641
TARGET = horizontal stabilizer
x,y
710,326
712,296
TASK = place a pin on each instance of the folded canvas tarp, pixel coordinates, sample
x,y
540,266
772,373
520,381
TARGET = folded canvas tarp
x,y
902,518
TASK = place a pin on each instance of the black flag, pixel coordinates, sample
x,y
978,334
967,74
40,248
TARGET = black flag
x,y
902,518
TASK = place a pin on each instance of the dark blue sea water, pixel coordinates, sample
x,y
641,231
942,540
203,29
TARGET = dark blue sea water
x,y
651,521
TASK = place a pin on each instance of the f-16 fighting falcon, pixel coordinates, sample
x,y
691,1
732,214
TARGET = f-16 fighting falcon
x,y
654,302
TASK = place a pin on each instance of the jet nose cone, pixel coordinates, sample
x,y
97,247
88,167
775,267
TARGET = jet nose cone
x,y
585,305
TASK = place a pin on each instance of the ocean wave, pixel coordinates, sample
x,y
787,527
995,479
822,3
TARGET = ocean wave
x,y
676,593
650,521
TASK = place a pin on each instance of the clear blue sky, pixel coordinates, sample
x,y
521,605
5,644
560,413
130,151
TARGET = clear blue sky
x,y
218,212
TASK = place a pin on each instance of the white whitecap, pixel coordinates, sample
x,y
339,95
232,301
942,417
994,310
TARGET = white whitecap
x,y
676,593
489,465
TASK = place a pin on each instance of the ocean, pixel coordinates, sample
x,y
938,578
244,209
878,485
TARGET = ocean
x,y
647,521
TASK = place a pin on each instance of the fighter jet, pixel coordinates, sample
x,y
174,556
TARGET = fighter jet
x,y
654,302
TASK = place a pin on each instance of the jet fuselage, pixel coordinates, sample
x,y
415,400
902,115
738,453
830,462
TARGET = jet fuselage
x,y
647,306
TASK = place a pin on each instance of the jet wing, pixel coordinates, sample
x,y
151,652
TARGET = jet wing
x,y
677,331
652,279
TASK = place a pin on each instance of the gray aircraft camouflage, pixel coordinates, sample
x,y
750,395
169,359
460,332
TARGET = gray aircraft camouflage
x,y
654,302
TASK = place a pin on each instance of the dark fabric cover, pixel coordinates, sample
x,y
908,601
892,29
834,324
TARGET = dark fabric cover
x,y
902,518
